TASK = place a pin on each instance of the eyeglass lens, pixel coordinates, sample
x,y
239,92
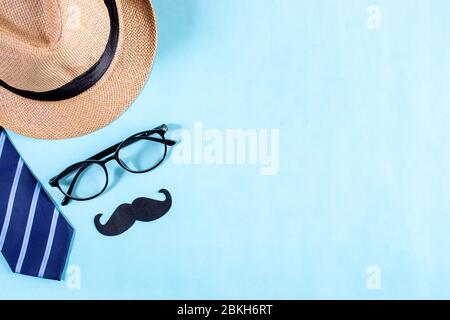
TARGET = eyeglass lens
x,y
86,182
141,154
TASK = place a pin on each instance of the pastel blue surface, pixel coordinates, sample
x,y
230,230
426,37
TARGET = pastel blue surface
x,y
364,161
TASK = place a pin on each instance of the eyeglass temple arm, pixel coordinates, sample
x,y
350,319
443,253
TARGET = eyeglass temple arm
x,y
66,199
111,150
105,153
168,142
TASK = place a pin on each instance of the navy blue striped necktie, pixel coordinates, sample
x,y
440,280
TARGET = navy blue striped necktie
x,y
34,237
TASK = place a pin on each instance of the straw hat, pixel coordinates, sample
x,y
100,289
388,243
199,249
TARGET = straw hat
x,y
70,67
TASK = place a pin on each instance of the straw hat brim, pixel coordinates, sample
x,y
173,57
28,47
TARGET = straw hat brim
x,y
107,99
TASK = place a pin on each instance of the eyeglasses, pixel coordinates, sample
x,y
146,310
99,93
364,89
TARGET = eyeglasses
x,y
88,179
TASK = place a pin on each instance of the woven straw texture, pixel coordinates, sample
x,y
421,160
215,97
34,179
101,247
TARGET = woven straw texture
x,y
45,44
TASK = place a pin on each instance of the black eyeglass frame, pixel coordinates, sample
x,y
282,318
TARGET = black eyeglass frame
x,y
111,153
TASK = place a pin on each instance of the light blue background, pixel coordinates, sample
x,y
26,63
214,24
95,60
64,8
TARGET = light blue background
x,y
364,163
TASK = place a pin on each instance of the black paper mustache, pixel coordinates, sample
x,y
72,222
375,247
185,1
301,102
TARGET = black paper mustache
x,y
142,209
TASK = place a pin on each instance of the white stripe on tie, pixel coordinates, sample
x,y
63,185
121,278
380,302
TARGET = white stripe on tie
x,y
12,196
48,248
26,237
2,142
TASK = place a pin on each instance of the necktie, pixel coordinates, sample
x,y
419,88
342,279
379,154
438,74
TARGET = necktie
x,y
34,237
